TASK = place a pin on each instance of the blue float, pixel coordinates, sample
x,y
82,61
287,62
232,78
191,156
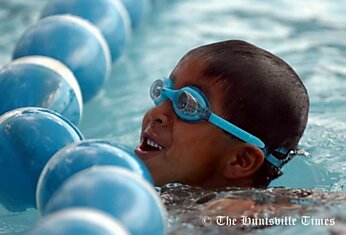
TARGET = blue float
x,y
28,138
117,191
109,16
137,9
37,81
78,221
76,43
79,156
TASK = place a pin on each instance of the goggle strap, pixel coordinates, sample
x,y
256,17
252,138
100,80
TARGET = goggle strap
x,y
282,150
273,160
236,131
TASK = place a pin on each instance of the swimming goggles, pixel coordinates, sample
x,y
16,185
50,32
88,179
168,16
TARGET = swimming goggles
x,y
191,105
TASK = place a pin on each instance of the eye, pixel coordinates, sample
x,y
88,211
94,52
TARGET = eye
x,y
187,103
182,101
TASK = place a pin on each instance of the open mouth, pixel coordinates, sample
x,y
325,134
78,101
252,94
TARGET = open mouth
x,y
149,144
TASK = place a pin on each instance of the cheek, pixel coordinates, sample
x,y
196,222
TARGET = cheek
x,y
145,119
195,139
195,153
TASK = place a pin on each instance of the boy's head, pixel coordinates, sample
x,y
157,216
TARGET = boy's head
x,y
245,85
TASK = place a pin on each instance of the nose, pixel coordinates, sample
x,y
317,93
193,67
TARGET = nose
x,y
161,114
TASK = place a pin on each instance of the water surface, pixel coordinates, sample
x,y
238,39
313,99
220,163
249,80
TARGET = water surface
x,y
309,35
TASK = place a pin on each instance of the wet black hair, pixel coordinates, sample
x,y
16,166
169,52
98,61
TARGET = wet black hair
x,y
262,95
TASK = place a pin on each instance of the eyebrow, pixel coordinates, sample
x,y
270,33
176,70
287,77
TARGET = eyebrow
x,y
205,89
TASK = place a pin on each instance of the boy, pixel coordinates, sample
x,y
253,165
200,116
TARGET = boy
x,y
228,115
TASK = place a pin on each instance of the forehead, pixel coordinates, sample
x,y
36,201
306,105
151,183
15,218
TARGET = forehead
x,y
189,72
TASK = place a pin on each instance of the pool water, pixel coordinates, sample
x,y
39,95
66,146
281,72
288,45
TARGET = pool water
x,y
309,35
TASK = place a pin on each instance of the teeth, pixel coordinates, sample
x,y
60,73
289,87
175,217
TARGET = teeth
x,y
152,143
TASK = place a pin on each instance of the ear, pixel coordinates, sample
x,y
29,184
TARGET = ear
x,y
243,161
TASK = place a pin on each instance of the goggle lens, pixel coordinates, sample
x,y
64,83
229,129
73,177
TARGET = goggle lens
x,y
156,89
186,103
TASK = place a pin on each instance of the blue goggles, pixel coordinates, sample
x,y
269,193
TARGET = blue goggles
x,y
191,105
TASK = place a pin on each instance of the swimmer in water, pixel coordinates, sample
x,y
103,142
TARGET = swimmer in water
x,y
228,115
